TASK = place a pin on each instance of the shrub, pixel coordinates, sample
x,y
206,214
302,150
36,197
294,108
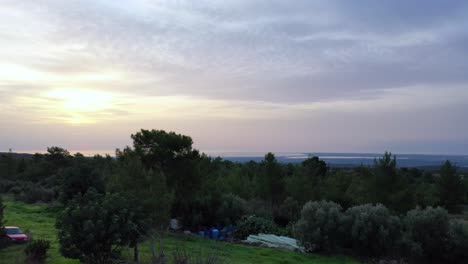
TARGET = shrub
x,y
318,229
425,232
232,208
259,208
431,236
372,230
181,256
31,193
457,246
253,225
6,185
289,211
36,251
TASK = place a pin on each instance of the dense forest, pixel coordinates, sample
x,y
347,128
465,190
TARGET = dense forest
x,y
372,211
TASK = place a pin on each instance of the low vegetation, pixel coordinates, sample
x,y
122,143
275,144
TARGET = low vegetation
x,y
36,251
39,220
421,236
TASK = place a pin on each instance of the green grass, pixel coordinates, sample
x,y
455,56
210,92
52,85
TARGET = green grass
x,y
39,221
236,253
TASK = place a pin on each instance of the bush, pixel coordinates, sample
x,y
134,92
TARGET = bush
x,y
6,185
36,251
259,208
181,256
318,229
426,233
253,225
372,230
431,236
288,212
457,246
231,210
30,193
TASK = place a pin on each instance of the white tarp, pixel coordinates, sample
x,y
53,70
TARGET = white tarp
x,y
274,241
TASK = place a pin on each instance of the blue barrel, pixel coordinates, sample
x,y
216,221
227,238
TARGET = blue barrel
x,y
215,233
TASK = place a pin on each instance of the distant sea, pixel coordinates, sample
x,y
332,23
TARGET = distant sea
x,y
354,159
333,159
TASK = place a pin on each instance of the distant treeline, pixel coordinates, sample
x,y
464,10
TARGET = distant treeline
x,y
168,178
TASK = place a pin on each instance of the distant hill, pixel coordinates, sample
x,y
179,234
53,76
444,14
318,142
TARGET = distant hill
x,y
18,155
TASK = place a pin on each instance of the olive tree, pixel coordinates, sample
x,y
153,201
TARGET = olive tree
x,y
94,227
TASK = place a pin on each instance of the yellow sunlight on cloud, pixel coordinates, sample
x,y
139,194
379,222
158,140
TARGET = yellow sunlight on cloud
x,y
80,106
82,100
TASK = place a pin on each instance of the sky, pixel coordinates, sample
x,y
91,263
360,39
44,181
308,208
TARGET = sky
x,y
237,76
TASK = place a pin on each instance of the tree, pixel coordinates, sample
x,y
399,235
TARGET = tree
x,y
389,187
2,223
304,185
335,187
158,149
172,156
272,180
94,227
58,156
79,178
146,185
314,167
450,188
7,166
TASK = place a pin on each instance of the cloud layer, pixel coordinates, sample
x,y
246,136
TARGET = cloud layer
x,y
238,75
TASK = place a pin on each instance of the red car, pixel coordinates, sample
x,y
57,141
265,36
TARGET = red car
x,y
15,234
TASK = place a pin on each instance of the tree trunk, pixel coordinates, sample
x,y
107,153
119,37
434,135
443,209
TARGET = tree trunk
x,y
136,253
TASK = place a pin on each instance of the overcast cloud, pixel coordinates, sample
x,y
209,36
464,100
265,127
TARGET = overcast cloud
x,y
351,76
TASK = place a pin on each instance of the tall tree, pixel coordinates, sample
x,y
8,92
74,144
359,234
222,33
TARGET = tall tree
x,y
450,188
389,186
147,186
273,180
305,186
58,156
172,156
159,149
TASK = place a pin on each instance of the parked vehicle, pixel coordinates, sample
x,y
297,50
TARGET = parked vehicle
x,y
15,234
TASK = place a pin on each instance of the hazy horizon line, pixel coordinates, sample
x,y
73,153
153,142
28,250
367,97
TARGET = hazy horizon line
x,y
216,153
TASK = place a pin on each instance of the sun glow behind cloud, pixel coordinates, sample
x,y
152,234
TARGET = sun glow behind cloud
x,y
78,106
82,100
69,106
323,74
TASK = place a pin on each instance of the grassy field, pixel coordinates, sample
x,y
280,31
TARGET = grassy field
x,y
37,221
40,223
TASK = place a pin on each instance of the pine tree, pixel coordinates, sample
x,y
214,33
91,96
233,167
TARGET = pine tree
x,y
450,187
